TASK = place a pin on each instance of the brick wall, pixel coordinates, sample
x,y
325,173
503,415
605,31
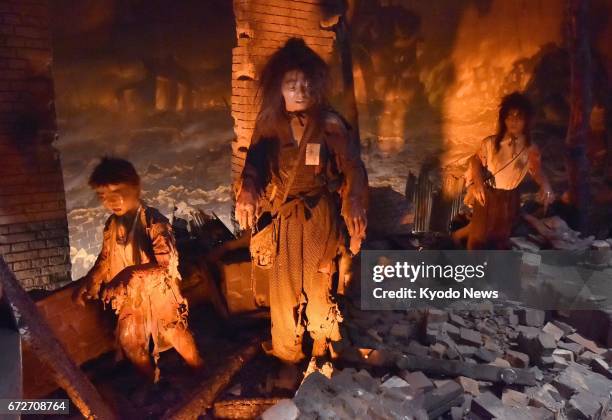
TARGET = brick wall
x,y
33,226
262,26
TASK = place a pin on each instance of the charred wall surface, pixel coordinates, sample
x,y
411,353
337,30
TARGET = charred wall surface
x,y
430,75
33,226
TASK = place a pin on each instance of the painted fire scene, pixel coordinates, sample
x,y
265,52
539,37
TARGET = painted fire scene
x,y
190,191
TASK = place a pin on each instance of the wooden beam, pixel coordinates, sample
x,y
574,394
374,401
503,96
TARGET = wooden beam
x,y
243,408
204,396
37,334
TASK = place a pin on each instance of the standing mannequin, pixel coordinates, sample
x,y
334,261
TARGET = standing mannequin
x,y
323,214
497,169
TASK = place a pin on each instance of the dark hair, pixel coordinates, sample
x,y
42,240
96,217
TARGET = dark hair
x,y
113,171
515,101
294,55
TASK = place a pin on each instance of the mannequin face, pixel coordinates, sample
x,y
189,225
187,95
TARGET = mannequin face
x,y
296,91
119,198
515,123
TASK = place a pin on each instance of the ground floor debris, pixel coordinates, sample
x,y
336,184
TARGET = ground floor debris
x,y
498,362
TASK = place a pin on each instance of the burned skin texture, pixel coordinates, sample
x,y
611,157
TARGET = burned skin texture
x,y
137,273
315,225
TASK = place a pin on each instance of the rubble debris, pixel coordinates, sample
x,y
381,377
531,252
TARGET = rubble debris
x,y
567,355
512,318
546,344
439,383
573,347
417,380
587,344
451,330
539,375
584,405
401,330
514,398
395,382
600,366
492,362
555,232
438,350
523,244
454,368
350,378
470,337
577,378
531,317
517,359
586,357
485,355
458,321
556,332
467,351
545,397
345,396
536,344
440,400
417,349
486,326
469,385
566,328
492,346
502,363
487,405
436,316
601,253
458,413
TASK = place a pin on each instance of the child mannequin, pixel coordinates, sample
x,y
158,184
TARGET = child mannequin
x,y
137,271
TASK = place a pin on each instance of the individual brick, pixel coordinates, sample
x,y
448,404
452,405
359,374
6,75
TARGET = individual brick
x,y
531,317
517,359
470,337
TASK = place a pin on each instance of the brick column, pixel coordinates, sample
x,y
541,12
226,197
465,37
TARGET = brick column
x,y
33,224
262,26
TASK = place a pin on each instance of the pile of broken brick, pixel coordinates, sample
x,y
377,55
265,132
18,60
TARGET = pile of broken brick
x,y
488,362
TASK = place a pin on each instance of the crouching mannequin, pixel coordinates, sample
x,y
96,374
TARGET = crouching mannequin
x,y
137,272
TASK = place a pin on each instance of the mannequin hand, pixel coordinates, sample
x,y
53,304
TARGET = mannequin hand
x,y
246,209
546,196
356,220
479,192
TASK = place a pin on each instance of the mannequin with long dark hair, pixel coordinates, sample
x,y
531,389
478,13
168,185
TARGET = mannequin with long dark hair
x,y
497,169
318,213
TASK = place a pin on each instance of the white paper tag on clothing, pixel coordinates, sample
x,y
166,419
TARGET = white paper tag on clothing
x,y
312,153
